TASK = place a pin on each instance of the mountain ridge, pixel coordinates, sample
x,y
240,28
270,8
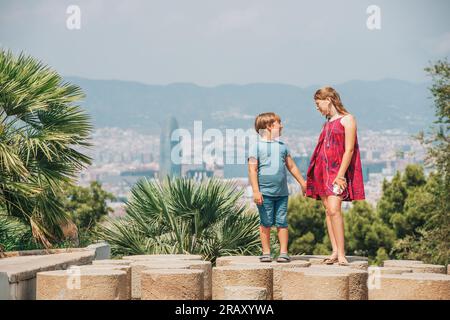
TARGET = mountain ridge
x,y
385,104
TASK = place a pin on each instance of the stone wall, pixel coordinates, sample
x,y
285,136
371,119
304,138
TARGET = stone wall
x,y
18,269
188,277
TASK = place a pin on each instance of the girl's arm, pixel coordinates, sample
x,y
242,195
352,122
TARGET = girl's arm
x,y
349,124
293,169
253,177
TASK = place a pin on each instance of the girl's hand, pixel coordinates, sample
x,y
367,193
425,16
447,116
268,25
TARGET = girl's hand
x,y
341,182
303,185
258,198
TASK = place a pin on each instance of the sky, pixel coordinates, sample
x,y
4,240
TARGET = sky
x,y
213,42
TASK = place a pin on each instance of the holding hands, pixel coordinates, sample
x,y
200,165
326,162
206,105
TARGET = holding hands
x,y
303,186
258,198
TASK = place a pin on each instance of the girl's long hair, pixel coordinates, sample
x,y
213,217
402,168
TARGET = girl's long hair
x,y
329,92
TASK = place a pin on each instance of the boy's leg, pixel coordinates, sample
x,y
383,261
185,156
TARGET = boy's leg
x,y
266,221
264,233
283,237
281,222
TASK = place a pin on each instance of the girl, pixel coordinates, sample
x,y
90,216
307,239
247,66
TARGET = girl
x,y
334,174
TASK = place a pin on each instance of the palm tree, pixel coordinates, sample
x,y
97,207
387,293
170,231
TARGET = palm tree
x,y
180,215
40,127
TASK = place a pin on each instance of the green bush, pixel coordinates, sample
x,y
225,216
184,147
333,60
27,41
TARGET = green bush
x,y
184,216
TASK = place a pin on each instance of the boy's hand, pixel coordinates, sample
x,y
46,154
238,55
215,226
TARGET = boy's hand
x,y
258,198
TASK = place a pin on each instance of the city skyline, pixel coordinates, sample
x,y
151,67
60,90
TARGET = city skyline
x,y
122,157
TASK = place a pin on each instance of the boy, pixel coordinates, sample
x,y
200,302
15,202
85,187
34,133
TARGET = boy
x,y
268,159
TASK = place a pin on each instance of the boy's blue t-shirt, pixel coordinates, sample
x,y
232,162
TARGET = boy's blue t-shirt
x,y
271,156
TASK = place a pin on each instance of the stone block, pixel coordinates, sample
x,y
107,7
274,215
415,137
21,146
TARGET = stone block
x,y
84,284
242,275
244,293
138,266
172,284
411,286
102,250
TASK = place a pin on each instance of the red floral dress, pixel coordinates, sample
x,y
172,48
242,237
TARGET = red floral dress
x,y
326,160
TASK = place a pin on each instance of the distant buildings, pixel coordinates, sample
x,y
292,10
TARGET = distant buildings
x,y
369,167
167,165
302,163
123,156
150,173
199,173
234,170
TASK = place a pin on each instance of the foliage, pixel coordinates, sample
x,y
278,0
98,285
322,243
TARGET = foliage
x,y
429,224
365,232
14,234
87,207
40,128
306,220
431,242
180,215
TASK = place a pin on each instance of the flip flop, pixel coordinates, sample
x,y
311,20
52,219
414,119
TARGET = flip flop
x,y
283,257
265,258
330,261
343,263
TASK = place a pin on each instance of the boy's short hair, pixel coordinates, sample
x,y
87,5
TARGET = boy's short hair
x,y
263,120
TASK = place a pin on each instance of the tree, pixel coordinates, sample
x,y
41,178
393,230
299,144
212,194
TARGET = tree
x,y
391,204
414,176
14,235
307,226
87,207
437,141
429,239
180,215
40,128
365,232
428,209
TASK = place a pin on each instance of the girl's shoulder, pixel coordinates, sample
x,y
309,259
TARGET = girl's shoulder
x,y
348,119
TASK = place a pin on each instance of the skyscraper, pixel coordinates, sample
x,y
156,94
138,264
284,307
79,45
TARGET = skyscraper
x,y
167,165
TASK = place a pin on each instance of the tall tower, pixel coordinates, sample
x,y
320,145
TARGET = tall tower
x,y
167,167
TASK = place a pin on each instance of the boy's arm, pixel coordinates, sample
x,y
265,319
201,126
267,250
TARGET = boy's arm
x,y
293,169
253,177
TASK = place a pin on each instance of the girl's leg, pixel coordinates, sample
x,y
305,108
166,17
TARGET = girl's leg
x,y
337,223
334,254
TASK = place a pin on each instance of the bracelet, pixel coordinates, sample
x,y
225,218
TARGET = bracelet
x,y
342,178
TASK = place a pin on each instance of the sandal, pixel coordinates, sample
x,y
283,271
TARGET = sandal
x,y
343,263
283,257
330,261
265,258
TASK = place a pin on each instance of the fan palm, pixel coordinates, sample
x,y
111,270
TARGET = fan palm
x,y
180,215
40,127
14,234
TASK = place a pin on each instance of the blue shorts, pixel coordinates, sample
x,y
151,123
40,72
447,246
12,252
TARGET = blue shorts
x,y
273,211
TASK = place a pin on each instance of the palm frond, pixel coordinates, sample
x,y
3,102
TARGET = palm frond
x,y
40,128
180,215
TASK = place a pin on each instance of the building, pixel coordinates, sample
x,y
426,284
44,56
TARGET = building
x,y
199,173
167,165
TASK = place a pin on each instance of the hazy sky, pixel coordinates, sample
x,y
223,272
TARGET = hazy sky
x,y
212,42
